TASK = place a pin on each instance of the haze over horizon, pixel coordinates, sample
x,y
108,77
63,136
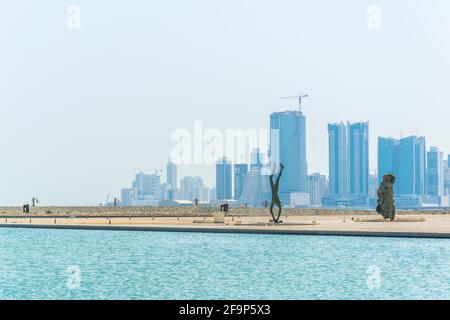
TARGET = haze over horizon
x,y
83,110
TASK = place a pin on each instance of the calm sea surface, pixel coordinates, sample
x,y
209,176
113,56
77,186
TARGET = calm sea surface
x,y
80,264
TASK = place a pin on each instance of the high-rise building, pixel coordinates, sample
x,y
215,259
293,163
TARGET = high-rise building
x,y
127,196
189,187
257,159
171,179
338,160
202,194
358,139
435,172
165,192
212,194
223,179
256,189
148,185
288,146
373,185
317,188
405,159
349,163
447,177
240,172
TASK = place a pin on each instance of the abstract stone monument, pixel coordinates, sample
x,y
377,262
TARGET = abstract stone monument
x,y
386,202
275,198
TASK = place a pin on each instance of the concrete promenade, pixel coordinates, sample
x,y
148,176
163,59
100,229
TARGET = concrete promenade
x,y
407,225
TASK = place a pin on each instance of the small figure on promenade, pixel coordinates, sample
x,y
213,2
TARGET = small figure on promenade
x,y
386,202
26,208
275,198
224,207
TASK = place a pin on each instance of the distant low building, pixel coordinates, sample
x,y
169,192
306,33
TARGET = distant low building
x,y
190,187
232,203
145,203
128,195
148,185
212,194
256,189
176,203
300,199
317,187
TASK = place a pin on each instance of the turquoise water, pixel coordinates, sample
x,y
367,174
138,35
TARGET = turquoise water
x,y
158,265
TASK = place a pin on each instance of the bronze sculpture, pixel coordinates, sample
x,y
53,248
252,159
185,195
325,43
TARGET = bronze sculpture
x,y
386,202
275,198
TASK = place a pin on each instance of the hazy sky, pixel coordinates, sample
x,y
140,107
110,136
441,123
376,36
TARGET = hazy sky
x,y
82,110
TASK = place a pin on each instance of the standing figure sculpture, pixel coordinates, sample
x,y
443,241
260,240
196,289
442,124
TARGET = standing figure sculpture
x,y
386,202
275,198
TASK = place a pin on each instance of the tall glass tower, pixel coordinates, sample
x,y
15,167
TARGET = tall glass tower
x,y
435,172
349,160
171,179
288,146
358,139
338,160
406,159
223,179
240,174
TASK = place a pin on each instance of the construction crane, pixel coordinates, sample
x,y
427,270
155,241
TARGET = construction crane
x,y
299,97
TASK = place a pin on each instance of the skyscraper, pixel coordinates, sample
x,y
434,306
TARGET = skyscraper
x,y
373,185
349,162
171,179
404,158
288,146
447,177
147,185
256,189
223,179
257,159
240,172
190,187
338,160
359,158
317,188
127,196
435,172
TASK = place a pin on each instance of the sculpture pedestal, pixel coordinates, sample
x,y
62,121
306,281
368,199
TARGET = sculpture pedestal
x,y
279,221
219,217
397,219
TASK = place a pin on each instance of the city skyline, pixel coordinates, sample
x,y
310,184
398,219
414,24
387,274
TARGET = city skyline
x,y
421,173
84,110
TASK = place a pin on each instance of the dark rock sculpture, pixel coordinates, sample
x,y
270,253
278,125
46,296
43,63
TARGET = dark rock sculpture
x,y
386,202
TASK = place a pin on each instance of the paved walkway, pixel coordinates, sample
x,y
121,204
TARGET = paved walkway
x,y
433,226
